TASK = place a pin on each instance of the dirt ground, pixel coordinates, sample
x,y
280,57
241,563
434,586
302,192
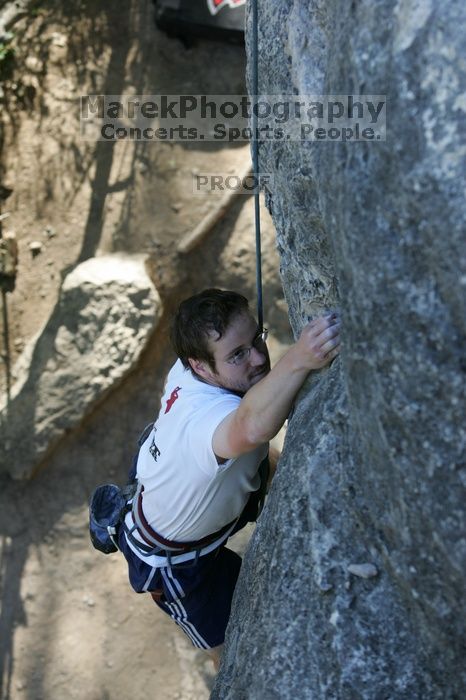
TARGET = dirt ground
x,y
70,626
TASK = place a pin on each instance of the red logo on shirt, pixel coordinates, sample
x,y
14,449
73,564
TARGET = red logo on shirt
x,y
216,5
172,399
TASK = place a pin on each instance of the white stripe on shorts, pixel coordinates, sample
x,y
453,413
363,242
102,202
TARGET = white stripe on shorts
x,y
178,614
175,581
169,584
149,578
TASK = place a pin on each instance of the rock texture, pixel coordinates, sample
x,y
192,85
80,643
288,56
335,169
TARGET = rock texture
x,y
107,311
353,584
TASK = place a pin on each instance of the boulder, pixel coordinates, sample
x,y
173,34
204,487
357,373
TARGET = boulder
x,y
107,310
353,584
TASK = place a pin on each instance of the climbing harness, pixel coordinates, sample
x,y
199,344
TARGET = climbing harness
x,y
109,505
150,542
112,508
108,508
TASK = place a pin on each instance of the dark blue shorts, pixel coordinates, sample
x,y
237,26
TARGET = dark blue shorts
x,y
197,596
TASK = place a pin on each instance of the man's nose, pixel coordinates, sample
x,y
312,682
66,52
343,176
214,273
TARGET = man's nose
x,y
256,357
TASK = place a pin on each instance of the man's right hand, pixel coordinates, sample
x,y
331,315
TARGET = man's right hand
x,y
319,343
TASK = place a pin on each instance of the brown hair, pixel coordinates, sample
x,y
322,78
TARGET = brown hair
x,y
209,311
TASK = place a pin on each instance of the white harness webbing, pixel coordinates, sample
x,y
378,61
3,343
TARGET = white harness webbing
x,y
160,561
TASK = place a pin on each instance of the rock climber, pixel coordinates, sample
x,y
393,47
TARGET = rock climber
x,y
201,469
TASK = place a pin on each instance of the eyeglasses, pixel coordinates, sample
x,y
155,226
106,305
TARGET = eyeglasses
x,y
241,356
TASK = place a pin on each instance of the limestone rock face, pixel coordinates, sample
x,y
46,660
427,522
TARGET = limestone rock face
x,y
353,584
107,310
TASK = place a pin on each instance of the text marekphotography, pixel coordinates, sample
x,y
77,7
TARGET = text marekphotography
x,y
233,118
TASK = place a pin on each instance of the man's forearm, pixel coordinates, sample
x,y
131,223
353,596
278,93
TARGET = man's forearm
x,y
265,407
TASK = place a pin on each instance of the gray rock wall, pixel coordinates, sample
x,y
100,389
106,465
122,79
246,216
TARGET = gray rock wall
x,y
373,469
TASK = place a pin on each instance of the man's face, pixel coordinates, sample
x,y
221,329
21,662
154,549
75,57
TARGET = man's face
x,y
239,336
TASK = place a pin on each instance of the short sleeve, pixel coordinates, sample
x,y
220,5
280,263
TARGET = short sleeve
x,y
202,428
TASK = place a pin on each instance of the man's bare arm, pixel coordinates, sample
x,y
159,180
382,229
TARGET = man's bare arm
x,y
265,407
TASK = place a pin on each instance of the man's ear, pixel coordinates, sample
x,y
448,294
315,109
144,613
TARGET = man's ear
x,y
200,367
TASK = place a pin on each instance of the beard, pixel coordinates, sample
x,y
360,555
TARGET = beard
x,y
243,385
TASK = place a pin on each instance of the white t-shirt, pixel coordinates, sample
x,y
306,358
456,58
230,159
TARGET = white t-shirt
x,y
187,494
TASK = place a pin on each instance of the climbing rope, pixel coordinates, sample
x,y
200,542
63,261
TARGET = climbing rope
x,y
255,160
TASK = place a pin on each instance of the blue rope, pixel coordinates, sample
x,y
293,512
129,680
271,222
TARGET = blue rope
x,y
255,160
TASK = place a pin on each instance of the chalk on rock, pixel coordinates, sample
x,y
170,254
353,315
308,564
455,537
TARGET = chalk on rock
x,y
363,570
